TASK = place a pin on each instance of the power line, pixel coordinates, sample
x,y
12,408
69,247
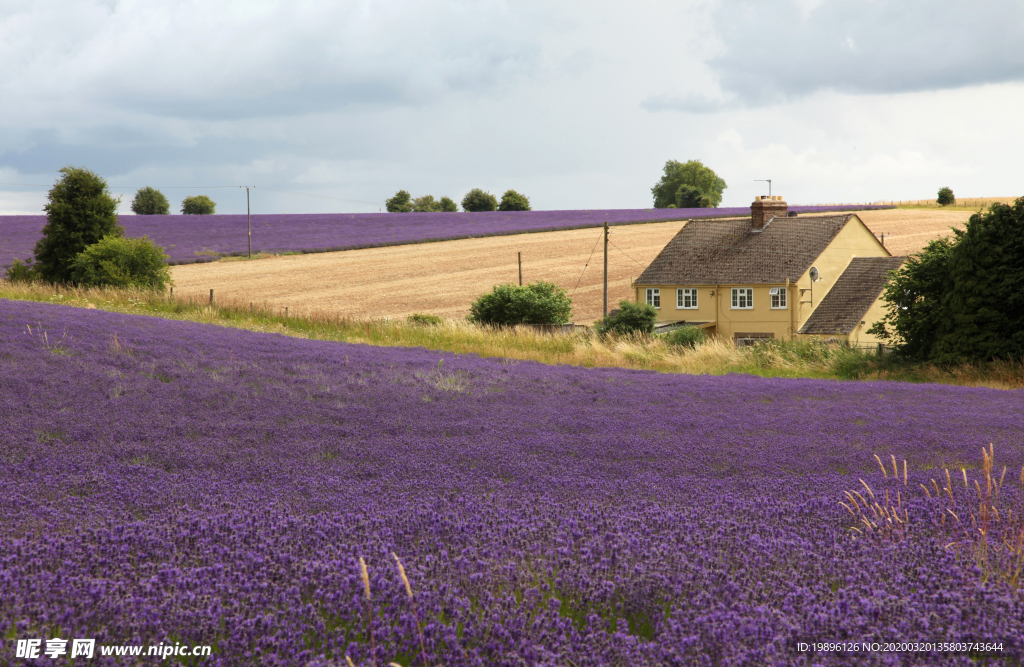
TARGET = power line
x,y
309,194
624,253
587,263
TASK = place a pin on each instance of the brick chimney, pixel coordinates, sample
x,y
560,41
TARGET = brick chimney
x,y
764,209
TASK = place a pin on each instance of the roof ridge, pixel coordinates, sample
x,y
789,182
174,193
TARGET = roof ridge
x,y
727,250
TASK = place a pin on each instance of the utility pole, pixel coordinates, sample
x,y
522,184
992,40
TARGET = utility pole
x,y
248,216
520,268
606,268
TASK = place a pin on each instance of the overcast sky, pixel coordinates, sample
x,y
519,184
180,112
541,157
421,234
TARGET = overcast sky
x,y
576,104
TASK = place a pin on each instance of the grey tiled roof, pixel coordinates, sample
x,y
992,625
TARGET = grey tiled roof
x,y
727,251
845,304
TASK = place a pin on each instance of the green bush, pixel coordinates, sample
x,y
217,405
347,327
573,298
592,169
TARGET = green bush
x,y
476,201
117,261
79,212
447,205
424,320
513,201
686,337
149,201
22,272
946,197
198,205
629,318
536,303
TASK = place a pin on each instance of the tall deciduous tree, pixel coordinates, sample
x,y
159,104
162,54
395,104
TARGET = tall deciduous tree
x,y
692,173
149,201
984,297
960,299
945,197
914,301
79,212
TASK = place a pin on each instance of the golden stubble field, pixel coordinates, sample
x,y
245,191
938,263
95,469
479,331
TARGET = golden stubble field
x,y
444,278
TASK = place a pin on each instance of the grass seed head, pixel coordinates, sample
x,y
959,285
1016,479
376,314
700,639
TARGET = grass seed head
x,y
366,576
884,473
405,579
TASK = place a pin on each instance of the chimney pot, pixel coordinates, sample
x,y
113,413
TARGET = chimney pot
x,y
764,209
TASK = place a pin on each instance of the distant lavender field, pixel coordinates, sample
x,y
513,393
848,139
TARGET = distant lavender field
x,y
169,482
198,238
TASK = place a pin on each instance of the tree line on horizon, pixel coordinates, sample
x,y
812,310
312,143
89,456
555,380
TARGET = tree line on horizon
x,y
475,201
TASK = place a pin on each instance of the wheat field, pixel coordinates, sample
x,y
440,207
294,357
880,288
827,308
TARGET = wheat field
x,y
444,278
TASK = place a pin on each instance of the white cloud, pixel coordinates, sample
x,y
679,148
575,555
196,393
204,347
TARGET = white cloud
x,y
777,51
577,104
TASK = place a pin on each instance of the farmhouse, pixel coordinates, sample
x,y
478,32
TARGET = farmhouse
x,y
775,274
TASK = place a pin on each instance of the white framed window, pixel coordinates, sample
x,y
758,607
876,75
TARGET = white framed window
x,y
742,298
686,297
654,297
778,295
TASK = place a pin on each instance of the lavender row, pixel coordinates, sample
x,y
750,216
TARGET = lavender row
x,y
194,238
167,481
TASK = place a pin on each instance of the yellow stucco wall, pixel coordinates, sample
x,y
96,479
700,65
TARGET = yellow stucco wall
x,y
859,335
715,305
853,240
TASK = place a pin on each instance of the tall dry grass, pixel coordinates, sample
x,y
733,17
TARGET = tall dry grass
x,y
979,521
583,348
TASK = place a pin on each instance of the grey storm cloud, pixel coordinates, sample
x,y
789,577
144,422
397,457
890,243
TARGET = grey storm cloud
x,y
124,85
772,52
252,61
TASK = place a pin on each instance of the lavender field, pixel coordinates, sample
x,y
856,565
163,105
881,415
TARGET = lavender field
x,y
197,238
166,481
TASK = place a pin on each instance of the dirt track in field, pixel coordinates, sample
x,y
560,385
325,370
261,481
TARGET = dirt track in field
x,y
444,278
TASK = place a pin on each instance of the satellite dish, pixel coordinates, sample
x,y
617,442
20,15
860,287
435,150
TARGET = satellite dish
x,y
814,274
